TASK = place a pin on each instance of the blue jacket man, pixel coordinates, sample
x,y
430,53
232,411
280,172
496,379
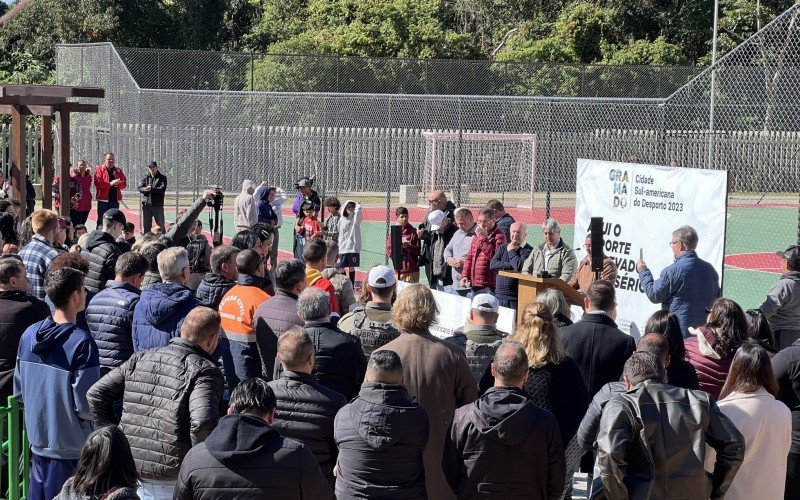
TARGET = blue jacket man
x,y
688,286
162,308
510,257
57,363
110,312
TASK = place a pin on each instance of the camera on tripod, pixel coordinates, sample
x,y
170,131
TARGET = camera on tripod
x,y
216,202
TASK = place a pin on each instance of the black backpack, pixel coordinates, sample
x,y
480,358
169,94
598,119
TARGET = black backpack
x,y
197,249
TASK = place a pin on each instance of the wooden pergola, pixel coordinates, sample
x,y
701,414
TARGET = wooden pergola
x,y
45,101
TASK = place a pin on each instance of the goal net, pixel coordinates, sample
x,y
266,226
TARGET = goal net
x,y
474,167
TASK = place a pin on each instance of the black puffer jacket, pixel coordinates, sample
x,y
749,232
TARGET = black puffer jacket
x,y
171,401
340,360
110,318
101,252
501,424
245,458
211,290
305,412
381,435
18,311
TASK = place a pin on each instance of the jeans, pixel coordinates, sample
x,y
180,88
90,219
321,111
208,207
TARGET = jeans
x,y
102,207
48,476
468,293
149,213
512,304
273,253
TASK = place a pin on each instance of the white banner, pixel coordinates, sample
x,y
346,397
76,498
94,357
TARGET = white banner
x,y
454,313
641,206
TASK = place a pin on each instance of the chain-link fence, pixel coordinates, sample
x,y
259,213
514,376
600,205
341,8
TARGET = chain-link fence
x,y
372,147
200,70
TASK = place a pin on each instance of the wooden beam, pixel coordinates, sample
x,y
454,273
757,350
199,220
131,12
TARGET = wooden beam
x,y
51,91
31,100
18,154
47,162
77,107
63,160
37,110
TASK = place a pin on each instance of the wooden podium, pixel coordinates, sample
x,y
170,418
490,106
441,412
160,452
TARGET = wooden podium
x,y
530,286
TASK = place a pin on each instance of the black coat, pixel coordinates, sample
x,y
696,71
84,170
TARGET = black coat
x,y
171,398
340,359
244,458
305,412
18,311
101,252
211,290
110,318
155,197
786,365
599,348
504,446
381,435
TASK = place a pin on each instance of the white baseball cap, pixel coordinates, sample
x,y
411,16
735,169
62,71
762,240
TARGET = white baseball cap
x,y
435,218
381,277
485,302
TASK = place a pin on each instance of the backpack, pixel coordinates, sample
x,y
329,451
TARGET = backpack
x,y
197,249
372,334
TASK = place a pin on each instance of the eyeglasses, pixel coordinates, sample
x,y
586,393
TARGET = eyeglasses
x,y
673,243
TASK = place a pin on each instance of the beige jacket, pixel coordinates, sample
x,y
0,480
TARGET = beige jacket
x,y
766,425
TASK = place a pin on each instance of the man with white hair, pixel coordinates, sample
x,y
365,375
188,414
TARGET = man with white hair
x,y
553,257
340,360
163,307
510,257
102,250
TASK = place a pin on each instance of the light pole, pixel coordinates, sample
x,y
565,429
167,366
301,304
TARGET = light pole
x,y
712,90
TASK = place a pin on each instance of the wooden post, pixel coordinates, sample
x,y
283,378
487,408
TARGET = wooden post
x,y
18,154
63,160
47,162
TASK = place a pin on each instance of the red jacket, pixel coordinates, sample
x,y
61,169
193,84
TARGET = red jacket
x,y
102,183
410,253
479,257
712,369
85,183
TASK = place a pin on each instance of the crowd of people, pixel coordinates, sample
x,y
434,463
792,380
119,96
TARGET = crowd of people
x,y
165,366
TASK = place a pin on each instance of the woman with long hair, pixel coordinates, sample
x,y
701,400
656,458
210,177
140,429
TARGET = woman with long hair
x,y
554,380
748,400
8,233
680,373
710,349
105,470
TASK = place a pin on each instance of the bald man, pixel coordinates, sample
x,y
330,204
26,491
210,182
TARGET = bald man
x,y
510,257
434,241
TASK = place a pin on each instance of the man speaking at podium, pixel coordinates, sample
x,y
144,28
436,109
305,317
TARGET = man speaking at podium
x,y
585,276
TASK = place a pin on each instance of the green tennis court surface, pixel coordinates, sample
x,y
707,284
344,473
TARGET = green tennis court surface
x,y
754,234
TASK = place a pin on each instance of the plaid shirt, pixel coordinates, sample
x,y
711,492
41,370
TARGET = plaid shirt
x,y
37,256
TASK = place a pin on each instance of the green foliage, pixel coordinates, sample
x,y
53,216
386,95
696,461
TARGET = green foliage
x,y
658,52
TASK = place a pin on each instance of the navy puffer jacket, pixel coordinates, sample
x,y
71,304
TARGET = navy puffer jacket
x,y
110,318
160,313
212,289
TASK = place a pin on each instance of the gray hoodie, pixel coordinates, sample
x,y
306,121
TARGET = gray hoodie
x,y
244,207
782,305
350,230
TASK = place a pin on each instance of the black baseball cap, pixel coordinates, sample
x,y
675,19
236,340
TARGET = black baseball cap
x,y
792,256
116,215
152,164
